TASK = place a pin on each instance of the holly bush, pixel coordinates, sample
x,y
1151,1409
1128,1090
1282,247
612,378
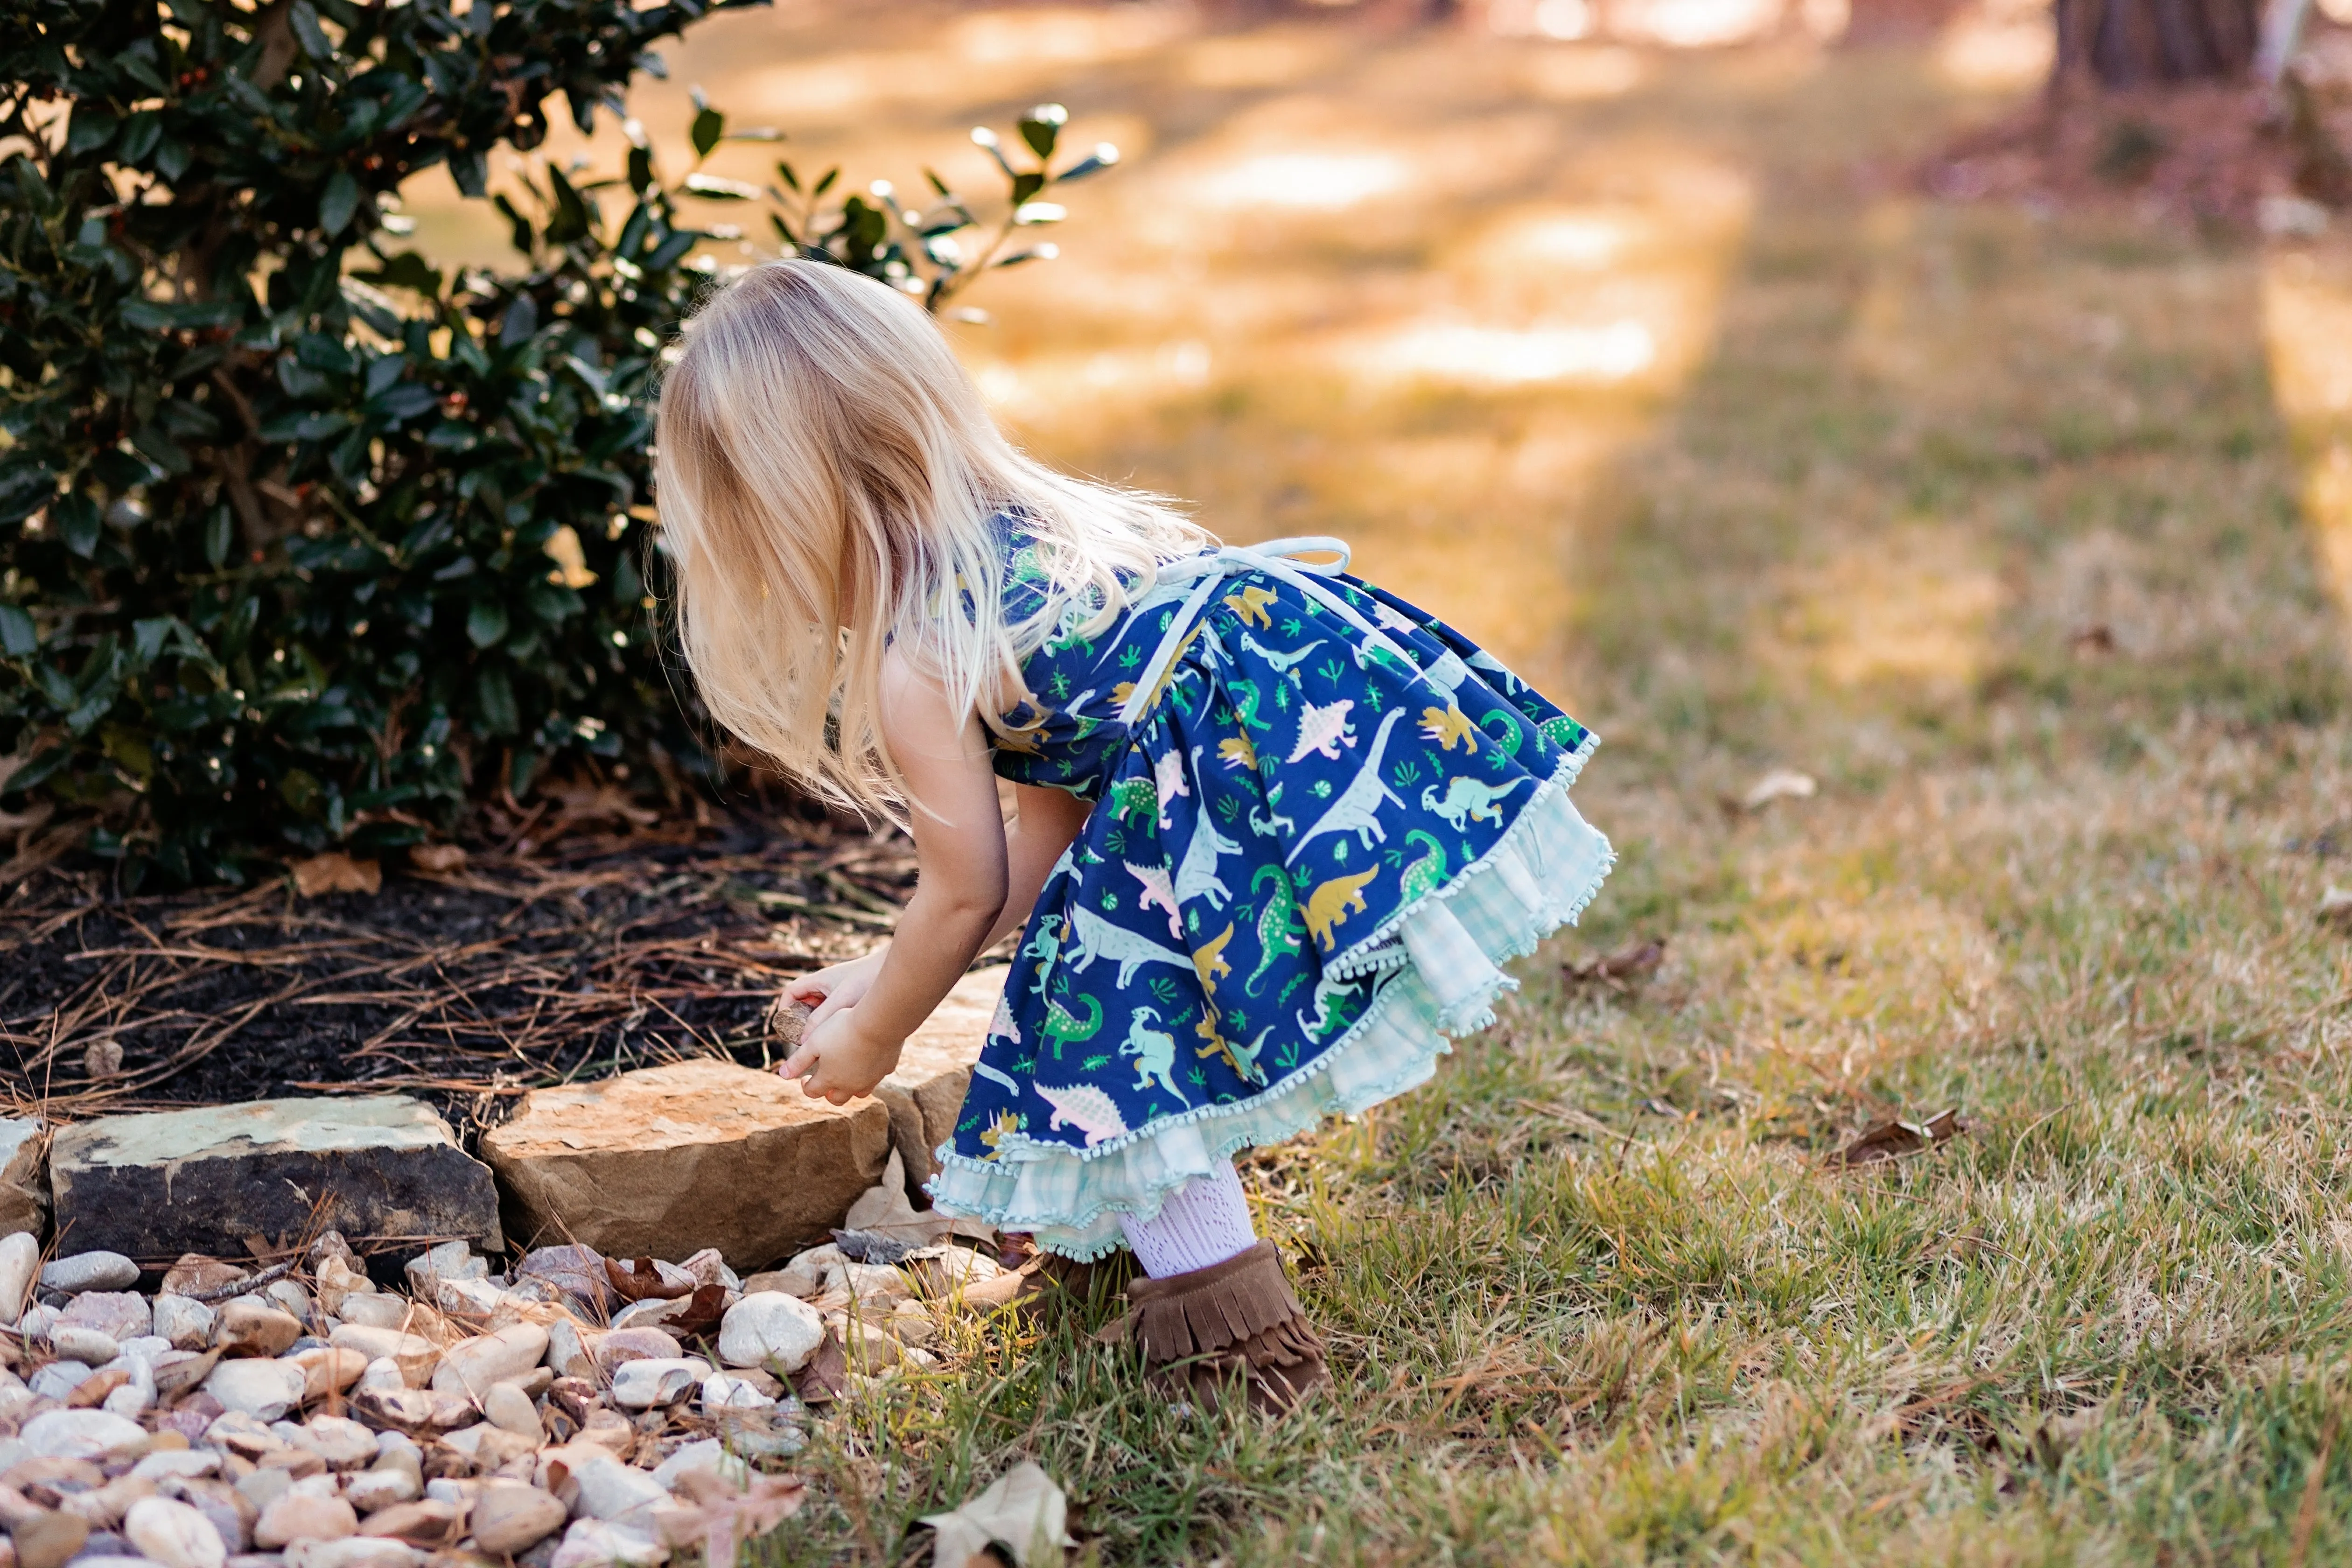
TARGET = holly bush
x,y
305,544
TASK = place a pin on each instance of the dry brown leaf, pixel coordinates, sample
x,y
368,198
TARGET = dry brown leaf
x,y
825,1377
1633,960
730,1517
1022,1513
1893,1140
440,859
102,1059
336,872
641,1281
883,1210
1780,783
579,800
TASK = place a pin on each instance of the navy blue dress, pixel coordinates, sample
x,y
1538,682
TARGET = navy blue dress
x,y
1323,819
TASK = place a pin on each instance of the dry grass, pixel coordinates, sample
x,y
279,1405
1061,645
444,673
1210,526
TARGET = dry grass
x,y
1991,523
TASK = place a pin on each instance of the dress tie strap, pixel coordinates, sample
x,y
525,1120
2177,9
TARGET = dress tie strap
x,y
1277,558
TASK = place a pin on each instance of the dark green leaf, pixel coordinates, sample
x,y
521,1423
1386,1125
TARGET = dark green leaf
x,y
338,202
708,126
485,623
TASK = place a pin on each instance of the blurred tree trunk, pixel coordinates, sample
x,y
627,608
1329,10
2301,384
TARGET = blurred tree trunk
x,y
2147,43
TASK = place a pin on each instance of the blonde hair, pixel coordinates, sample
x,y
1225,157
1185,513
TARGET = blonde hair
x,y
827,476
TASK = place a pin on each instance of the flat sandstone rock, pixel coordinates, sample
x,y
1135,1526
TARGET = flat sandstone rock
x,y
926,1092
157,1185
24,1175
665,1162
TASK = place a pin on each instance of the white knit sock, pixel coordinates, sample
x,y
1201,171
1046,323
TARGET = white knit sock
x,y
1205,1221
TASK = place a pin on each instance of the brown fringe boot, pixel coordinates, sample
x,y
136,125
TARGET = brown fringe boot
x,y
1200,1329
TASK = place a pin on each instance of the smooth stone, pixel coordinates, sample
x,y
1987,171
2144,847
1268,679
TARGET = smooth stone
x,y
118,1314
634,1344
338,1281
472,1366
327,1371
300,1516
489,1446
20,1266
375,1309
58,1379
247,1325
381,1376
342,1443
94,1270
372,1489
93,1435
174,1534
180,1462
354,1552
504,1405
413,1354
262,1488
671,1160
75,1342
725,1391
426,1523
49,1540
202,1180
599,1543
610,1489
925,1092
450,1260
259,1387
642,1384
37,1320
256,1560
706,1456
510,1517
771,1330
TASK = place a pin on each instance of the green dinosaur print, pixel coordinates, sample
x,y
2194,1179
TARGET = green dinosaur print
x,y
1064,1027
1246,700
1134,800
1279,927
1562,732
1426,875
1515,734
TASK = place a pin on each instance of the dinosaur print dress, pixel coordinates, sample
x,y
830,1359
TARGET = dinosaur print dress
x,y
1323,819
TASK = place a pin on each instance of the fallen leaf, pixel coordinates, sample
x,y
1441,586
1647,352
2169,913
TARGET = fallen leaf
x,y
1633,960
641,1281
440,859
1893,1140
871,1246
883,1210
825,1377
102,1059
730,1517
2094,641
2335,906
1780,783
691,1315
1023,1511
92,1390
580,800
336,872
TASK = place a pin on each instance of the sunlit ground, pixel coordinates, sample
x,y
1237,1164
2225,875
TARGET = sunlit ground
x,y
2028,537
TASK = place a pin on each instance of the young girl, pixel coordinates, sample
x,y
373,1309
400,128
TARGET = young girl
x,y
1274,827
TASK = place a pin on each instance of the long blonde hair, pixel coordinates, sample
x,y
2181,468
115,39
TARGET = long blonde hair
x,y
827,477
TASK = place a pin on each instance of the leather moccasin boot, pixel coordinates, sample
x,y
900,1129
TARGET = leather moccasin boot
x,y
1239,1320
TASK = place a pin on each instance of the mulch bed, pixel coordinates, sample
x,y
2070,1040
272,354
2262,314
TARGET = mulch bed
x,y
585,957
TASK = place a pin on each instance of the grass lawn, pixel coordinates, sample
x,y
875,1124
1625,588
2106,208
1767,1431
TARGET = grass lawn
x,y
1993,523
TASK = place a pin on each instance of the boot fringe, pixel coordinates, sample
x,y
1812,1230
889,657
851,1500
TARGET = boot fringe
x,y
1236,1317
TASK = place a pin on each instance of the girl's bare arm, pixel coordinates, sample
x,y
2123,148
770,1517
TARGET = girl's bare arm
x,y
975,881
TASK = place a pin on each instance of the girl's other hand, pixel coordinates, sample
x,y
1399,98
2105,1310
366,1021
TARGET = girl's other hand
x,y
837,1061
828,991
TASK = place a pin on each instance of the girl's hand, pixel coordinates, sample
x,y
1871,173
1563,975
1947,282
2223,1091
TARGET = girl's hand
x,y
828,991
837,1060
